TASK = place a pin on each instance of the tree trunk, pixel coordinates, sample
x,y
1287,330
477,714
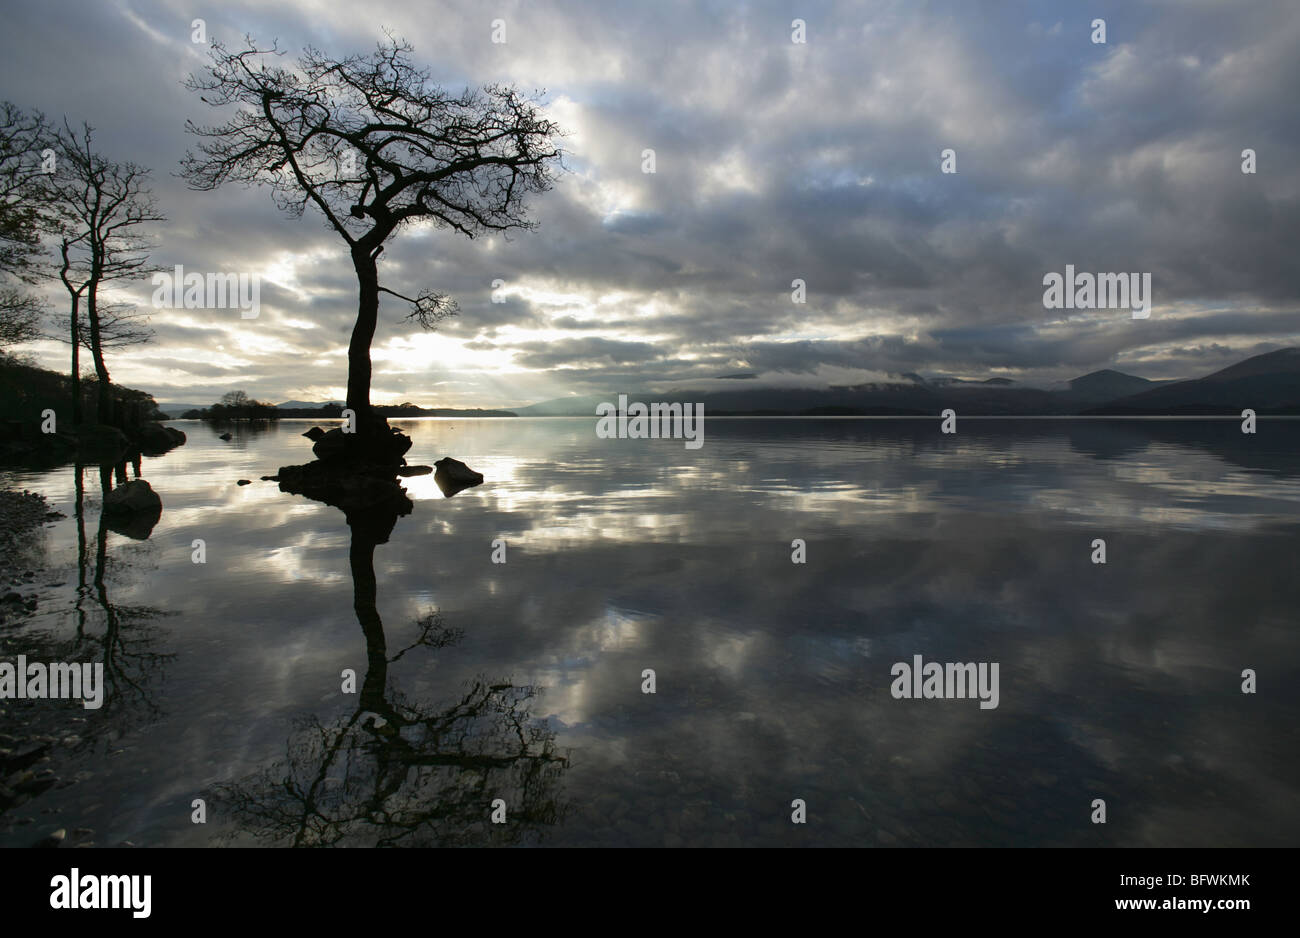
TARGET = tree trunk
x,y
362,335
373,442
76,360
104,405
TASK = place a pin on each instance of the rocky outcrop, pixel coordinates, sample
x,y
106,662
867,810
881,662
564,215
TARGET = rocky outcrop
x,y
154,439
373,442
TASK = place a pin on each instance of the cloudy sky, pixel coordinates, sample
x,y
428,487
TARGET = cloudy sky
x,y
775,160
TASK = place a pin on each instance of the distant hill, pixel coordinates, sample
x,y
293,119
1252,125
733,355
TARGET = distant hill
x,y
569,406
308,405
1282,361
1267,384
1107,385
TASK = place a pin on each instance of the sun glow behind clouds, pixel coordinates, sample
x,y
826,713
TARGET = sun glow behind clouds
x,y
431,353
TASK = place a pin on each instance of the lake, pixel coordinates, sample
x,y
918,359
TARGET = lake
x,y
517,688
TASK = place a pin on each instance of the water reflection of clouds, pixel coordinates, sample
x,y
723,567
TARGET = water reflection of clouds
x,y
773,678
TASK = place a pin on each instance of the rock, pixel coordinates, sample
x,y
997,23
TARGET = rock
x,y
374,442
457,471
454,476
244,482
155,439
134,496
54,840
24,756
225,436
133,508
330,445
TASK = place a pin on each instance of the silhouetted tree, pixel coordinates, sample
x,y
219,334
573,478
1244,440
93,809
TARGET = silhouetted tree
x,y
23,137
99,206
374,145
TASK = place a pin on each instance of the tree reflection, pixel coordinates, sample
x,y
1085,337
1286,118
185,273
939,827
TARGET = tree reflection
x,y
120,637
127,644
401,771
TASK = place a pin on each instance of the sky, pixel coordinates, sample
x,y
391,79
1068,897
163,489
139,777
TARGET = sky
x,y
775,161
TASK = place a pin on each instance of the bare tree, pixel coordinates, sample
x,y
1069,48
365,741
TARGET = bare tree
x,y
99,205
373,145
23,138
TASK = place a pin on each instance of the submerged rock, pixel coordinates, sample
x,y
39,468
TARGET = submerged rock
x,y
226,436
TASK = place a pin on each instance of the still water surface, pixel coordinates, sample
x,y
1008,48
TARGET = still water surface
x,y
523,680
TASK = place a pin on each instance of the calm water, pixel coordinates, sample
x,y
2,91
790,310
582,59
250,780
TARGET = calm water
x,y
523,681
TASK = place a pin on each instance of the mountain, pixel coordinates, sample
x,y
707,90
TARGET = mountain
x,y
859,400
1107,385
572,406
1266,384
1282,361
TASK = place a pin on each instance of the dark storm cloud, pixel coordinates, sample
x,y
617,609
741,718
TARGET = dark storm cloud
x,y
775,162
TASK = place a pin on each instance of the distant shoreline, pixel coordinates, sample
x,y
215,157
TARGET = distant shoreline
x,y
787,416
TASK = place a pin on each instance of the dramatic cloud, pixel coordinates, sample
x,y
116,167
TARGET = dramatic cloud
x,y
775,161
